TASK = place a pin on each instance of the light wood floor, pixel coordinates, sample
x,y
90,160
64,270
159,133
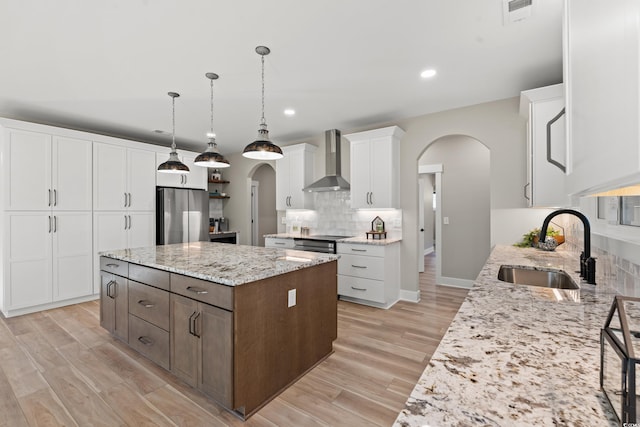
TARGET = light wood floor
x,y
59,368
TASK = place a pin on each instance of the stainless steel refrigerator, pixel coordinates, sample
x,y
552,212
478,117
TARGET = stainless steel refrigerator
x,y
182,215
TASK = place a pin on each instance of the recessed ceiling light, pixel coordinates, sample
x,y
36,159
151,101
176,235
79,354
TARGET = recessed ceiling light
x,y
428,73
289,112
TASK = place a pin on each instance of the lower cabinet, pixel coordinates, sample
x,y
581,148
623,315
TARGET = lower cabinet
x,y
202,347
114,305
369,274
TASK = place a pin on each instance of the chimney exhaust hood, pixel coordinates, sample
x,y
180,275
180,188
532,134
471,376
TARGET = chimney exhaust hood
x,y
332,181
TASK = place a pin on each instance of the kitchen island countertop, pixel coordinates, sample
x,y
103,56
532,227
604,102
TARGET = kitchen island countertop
x,y
222,263
361,240
518,355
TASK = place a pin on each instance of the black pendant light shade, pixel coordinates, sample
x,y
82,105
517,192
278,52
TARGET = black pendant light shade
x,y
173,165
262,148
211,158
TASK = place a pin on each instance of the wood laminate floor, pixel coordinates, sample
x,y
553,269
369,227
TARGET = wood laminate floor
x,y
59,368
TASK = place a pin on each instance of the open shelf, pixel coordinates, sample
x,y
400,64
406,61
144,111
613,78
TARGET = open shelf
x,y
217,181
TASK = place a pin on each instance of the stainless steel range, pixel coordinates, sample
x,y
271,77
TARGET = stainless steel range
x,y
319,243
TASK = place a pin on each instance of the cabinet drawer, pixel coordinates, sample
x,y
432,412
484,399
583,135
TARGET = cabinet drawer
x,y
368,250
361,266
150,304
275,242
149,340
356,287
202,290
149,276
115,266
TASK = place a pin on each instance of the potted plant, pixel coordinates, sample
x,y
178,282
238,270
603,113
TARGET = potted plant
x,y
531,238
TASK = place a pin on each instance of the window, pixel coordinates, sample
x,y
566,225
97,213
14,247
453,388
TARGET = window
x,y
602,208
630,210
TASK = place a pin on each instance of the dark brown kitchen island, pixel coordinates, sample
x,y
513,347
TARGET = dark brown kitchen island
x,y
240,323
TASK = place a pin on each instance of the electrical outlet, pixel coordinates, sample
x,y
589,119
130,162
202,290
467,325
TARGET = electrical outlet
x,y
284,219
445,220
291,300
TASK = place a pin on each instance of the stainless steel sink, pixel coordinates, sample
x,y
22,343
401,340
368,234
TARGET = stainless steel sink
x,y
547,278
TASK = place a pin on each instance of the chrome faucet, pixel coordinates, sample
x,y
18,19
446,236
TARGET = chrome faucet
x,y
587,263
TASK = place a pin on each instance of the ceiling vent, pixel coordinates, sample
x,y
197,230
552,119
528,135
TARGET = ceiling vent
x,y
516,10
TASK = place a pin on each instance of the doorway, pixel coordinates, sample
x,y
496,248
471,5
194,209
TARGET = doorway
x,y
263,214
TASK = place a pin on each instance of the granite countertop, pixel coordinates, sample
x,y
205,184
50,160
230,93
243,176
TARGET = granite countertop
x,y
230,265
357,240
518,355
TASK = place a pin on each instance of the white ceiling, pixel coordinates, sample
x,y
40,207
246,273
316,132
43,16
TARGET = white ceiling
x,y
106,66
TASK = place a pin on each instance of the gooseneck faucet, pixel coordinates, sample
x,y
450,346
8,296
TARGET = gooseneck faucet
x,y
587,263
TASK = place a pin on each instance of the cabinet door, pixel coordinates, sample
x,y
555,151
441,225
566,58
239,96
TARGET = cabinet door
x,y
215,327
28,170
141,229
282,184
360,170
185,357
72,177
121,316
72,255
109,233
107,301
110,177
382,165
29,255
141,174
296,179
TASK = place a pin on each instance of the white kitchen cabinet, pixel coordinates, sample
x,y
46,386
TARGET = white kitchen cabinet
x,y
375,168
546,146
49,258
602,75
46,171
121,230
369,274
279,242
124,178
195,178
293,173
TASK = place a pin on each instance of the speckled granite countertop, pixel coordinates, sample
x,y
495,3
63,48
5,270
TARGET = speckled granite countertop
x,y
518,355
230,265
358,240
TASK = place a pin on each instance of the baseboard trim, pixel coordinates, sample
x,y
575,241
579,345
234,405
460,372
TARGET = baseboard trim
x,y
48,306
411,296
429,250
455,282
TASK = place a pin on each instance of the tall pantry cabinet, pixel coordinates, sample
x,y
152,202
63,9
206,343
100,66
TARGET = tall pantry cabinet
x,y
46,226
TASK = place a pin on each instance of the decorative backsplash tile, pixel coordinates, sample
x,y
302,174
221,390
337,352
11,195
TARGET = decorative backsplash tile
x,y
334,215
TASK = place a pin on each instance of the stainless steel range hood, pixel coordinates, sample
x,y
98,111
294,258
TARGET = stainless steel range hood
x,y
333,181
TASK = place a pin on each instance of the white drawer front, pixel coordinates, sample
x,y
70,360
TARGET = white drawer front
x,y
366,289
361,266
368,250
275,242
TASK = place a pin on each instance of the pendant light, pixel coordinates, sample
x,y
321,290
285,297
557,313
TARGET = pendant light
x,y
173,165
262,148
211,158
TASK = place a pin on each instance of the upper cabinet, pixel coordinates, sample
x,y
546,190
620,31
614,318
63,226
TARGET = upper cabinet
x,y
124,178
546,146
375,168
293,173
195,178
46,172
602,75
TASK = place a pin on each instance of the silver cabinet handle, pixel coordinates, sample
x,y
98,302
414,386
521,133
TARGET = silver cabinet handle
x,y
195,325
191,325
186,179
49,197
55,197
55,224
125,199
358,250
113,265
49,223
125,222
146,304
549,159
358,289
358,266
129,221
371,198
129,199
279,243
197,291
525,191
109,293
145,340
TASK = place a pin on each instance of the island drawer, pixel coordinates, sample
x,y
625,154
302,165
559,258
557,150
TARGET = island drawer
x,y
149,340
149,276
361,266
203,291
357,287
115,266
368,250
150,304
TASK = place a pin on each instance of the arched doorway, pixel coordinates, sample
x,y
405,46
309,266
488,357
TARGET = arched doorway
x,y
462,219
263,214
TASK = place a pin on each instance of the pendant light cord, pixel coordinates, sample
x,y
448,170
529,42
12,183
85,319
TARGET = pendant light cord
x,y
173,134
263,121
212,137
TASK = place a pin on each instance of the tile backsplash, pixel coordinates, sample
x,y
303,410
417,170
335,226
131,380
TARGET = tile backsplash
x,y
623,274
333,215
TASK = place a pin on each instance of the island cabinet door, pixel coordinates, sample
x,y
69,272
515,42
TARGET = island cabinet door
x,y
114,305
215,326
185,354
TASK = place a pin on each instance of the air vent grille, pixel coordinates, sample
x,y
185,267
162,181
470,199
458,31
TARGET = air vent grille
x,y
518,4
